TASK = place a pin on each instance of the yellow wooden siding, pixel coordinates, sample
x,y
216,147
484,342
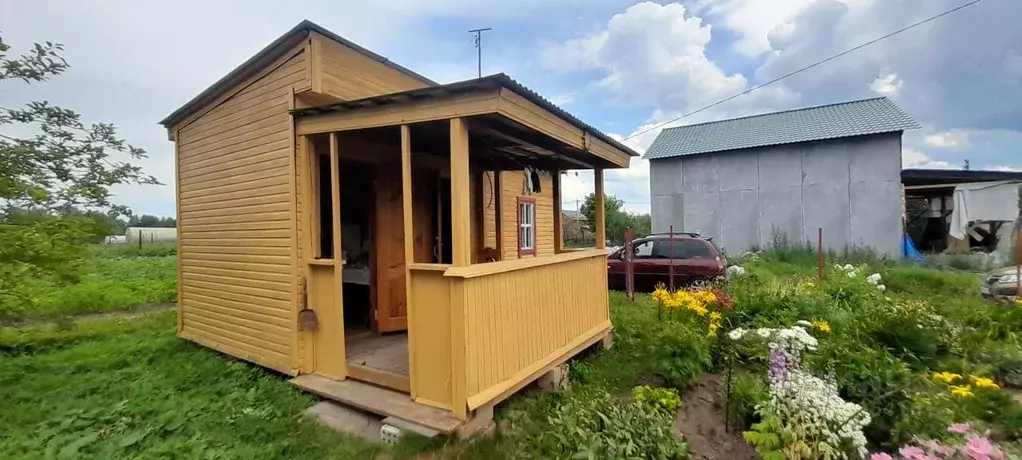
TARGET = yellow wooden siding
x,y
513,184
237,221
489,207
430,318
348,74
519,319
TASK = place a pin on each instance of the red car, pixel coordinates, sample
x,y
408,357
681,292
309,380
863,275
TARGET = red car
x,y
695,259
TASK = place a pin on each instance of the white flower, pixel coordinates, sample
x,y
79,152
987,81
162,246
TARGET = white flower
x,y
735,270
873,279
881,287
848,267
851,274
736,334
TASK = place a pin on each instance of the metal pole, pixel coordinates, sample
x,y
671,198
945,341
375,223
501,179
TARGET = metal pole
x,y
819,253
670,246
478,40
629,265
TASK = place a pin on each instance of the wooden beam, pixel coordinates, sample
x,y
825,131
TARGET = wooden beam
x,y
558,217
335,248
409,237
533,116
461,210
477,103
601,212
498,198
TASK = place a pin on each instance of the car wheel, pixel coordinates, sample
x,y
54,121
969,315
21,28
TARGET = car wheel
x,y
700,283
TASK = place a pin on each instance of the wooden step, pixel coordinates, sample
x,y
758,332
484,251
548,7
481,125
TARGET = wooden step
x,y
380,401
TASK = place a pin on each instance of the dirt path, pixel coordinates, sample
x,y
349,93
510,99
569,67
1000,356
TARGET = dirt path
x,y
134,312
701,421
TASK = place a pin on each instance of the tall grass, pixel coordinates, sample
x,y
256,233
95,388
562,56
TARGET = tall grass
x,y
110,278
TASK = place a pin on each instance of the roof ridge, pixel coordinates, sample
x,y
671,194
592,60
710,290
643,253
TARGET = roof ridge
x,y
779,112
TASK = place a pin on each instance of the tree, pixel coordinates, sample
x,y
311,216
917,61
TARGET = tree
x,y
146,220
66,165
616,218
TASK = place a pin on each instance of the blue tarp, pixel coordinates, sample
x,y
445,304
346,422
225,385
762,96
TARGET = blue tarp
x,y
908,249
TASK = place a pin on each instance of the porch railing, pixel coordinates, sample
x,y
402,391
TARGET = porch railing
x,y
503,324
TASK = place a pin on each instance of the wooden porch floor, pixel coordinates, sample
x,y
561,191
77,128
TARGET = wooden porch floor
x,y
388,352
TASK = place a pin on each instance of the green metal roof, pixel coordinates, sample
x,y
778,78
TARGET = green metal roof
x,y
846,119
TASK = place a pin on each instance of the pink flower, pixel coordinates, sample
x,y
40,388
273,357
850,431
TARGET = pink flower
x,y
911,452
881,456
980,448
959,428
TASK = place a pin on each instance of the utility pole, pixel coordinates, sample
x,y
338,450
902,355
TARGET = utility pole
x,y
478,40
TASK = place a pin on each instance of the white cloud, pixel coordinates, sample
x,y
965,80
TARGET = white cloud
x,y
1004,168
912,158
652,55
887,85
760,25
947,139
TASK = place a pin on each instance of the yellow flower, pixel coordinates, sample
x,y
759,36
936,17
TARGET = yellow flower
x,y
946,377
983,382
962,391
808,284
715,320
821,326
660,295
705,296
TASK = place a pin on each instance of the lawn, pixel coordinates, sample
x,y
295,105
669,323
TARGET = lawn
x,y
128,388
110,278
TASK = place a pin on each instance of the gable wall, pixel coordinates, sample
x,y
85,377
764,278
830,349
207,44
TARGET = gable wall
x,y
236,219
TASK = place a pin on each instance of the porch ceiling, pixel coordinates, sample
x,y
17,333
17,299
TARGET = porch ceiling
x,y
509,125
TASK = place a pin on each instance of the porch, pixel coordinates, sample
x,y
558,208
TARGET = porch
x,y
461,316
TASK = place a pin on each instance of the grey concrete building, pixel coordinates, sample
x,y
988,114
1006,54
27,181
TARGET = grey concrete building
x,y
746,180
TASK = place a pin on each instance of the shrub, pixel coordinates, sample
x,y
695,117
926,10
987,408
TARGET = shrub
x,y
747,392
679,353
665,400
593,424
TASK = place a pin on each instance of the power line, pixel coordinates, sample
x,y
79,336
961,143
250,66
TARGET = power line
x,y
782,77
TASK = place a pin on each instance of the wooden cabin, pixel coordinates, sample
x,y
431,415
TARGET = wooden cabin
x,y
393,243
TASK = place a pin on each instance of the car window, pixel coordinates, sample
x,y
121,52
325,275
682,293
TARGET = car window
x,y
643,250
683,249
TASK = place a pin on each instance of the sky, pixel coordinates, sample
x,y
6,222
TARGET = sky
x,y
623,67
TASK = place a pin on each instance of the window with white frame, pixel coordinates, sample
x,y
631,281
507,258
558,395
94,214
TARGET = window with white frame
x,y
526,226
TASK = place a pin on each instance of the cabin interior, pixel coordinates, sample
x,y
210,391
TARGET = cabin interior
x,y
369,182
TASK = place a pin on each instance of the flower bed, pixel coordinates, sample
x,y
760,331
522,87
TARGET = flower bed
x,y
875,354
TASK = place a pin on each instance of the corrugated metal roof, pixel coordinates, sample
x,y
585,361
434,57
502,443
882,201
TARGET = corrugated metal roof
x,y
487,82
846,119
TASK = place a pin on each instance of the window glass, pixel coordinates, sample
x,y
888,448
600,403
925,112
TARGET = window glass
x,y
683,249
643,250
527,227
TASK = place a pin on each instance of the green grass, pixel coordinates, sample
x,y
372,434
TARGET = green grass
x,y
110,278
129,388
117,388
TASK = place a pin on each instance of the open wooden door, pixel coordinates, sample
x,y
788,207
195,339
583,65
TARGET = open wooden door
x,y
391,313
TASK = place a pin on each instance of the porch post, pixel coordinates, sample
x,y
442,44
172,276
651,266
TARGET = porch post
x,y
409,237
601,212
460,257
461,210
558,215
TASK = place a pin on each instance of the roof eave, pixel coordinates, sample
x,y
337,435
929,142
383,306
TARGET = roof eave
x,y
775,144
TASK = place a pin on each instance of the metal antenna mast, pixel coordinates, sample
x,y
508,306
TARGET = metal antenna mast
x,y
478,40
